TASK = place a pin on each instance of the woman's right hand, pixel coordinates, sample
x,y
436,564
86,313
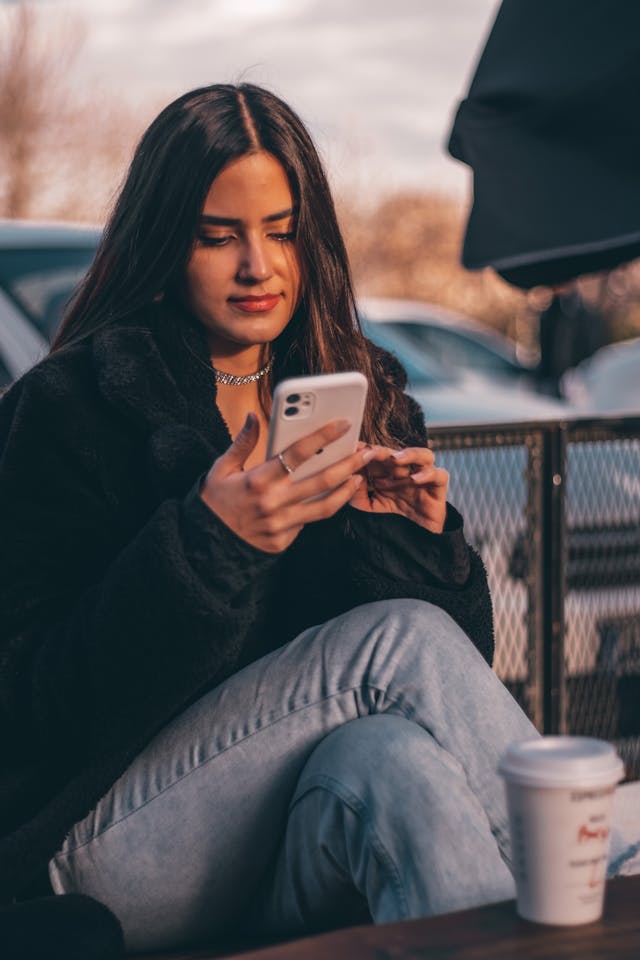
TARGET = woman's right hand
x,y
266,505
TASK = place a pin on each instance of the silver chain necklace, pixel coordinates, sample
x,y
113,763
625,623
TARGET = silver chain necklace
x,y
231,380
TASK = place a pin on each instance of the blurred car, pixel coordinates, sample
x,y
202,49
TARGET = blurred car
x,y
493,390
452,339
608,382
40,267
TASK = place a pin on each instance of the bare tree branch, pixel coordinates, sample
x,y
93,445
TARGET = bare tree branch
x,y
35,95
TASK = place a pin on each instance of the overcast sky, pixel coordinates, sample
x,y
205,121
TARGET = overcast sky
x,y
377,81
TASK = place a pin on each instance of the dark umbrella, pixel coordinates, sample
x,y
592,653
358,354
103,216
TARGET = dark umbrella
x,y
551,130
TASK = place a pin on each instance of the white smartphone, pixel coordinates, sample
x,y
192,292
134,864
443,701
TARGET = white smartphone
x,y
304,404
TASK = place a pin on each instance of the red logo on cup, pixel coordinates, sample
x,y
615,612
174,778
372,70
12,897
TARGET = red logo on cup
x,y
599,833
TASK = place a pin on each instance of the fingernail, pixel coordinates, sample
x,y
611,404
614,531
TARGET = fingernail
x,y
341,426
368,455
399,454
358,479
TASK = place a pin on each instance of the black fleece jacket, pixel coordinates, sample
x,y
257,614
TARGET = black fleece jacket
x,y
123,597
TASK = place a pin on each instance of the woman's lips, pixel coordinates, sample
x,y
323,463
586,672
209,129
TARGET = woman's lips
x,y
256,304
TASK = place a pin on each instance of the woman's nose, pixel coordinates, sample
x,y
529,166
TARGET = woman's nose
x,y
256,263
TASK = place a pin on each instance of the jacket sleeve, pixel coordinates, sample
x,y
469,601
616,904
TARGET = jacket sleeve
x,y
97,643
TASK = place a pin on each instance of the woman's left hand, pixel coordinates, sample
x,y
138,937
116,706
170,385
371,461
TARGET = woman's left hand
x,y
406,482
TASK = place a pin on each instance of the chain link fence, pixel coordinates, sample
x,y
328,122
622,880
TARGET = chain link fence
x,y
554,510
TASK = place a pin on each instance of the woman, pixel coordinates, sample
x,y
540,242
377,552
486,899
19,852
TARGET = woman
x,y
217,693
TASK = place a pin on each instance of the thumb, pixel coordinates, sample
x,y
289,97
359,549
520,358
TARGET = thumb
x,y
236,456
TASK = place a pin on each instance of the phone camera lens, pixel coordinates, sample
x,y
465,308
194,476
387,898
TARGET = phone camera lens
x,y
293,398
290,411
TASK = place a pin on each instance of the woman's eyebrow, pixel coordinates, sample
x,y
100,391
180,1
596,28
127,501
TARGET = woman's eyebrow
x,y
282,215
231,222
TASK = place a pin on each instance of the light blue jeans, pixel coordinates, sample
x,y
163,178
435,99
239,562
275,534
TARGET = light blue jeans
x,y
351,771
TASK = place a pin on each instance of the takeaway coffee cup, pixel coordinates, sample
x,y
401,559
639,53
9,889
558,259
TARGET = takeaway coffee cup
x,y
560,800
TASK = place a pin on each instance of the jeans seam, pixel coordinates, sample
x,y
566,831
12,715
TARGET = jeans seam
x,y
358,808
198,766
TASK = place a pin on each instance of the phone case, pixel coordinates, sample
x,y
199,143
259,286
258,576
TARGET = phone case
x,y
304,404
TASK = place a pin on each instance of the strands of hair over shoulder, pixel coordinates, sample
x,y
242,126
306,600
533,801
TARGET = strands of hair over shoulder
x,y
149,237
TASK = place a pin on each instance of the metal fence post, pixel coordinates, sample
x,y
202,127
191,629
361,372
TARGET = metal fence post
x,y
534,701
553,572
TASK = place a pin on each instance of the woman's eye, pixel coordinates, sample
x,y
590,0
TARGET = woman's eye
x,y
283,237
214,241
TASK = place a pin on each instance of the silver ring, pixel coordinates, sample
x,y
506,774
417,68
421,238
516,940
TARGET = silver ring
x,y
283,463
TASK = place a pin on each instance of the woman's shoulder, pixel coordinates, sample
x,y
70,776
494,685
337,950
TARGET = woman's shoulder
x,y
59,396
56,378
50,425
89,369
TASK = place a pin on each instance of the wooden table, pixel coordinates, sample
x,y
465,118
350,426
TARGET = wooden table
x,y
487,933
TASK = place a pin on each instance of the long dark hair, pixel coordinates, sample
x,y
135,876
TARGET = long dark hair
x,y
150,235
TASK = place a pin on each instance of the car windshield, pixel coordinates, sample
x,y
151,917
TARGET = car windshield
x,y
421,369
455,348
41,281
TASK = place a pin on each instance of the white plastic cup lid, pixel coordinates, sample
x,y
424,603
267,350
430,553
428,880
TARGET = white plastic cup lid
x,y
561,762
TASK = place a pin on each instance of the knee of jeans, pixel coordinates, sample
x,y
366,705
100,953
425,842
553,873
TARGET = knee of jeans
x,y
407,622
418,619
370,756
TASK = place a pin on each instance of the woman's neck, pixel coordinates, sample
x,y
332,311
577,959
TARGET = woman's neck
x,y
240,363
234,403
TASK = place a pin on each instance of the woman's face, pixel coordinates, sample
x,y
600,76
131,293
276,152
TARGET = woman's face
x,y
243,275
